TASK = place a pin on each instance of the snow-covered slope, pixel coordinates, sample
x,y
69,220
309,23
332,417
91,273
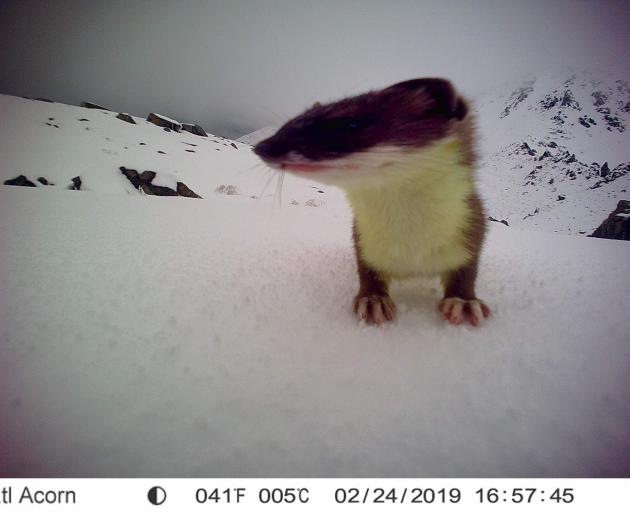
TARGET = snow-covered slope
x,y
179,337
256,136
59,142
556,150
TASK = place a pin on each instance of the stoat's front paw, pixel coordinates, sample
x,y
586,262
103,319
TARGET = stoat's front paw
x,y
374,309
457,310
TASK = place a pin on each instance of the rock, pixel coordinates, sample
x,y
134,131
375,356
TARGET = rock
x,y
125,117
502,221
599,98
43,181
44,99
546,154
517,97
195,129
167,130
617,225
76,183
89,104
132,175
233,145
147,176
604,170
569,101
164,122
561,198
183,190
143,181
20,181
552,144
156,190
571,159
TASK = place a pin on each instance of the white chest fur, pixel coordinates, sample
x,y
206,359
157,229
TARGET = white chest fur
x,y
414,221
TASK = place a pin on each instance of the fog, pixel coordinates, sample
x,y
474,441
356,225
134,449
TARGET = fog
x,y
234,66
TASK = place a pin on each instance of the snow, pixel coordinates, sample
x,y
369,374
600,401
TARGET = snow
x,y
167,119
171,337
165,180
166,336
255,137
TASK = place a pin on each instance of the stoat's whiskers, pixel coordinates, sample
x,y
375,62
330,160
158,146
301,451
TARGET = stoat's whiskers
x,y
279,184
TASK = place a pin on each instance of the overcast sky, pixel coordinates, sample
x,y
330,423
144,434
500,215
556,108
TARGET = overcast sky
x,y
235,65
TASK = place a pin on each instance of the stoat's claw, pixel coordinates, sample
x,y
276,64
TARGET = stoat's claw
x,y
374,309
457,310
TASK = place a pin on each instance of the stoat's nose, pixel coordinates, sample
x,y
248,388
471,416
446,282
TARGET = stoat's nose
x,y
270,149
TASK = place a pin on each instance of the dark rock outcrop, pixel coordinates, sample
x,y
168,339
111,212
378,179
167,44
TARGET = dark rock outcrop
x,y
195,129
147,176
517,97
617,225
183,190
125,117
20,181
157,190
76,183
529,150
164,122
43,181
502,221
89,104
143,181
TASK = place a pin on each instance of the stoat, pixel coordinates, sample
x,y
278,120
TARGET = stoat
x,y
404,156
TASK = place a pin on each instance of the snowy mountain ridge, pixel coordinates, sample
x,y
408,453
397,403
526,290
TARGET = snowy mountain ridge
x,y
555,150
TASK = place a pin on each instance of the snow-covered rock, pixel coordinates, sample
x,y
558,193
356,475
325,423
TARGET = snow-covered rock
x,y
617,225
164,122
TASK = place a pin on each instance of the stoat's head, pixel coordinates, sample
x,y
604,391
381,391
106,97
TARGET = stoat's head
x,y
366,135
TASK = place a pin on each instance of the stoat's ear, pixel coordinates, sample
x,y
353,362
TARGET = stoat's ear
x,y
432,95
461,109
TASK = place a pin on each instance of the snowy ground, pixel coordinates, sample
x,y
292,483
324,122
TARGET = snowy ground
x,y
179,337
